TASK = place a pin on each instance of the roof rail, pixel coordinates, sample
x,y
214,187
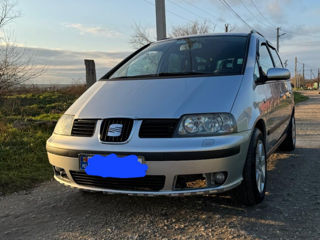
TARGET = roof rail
x,y
254,31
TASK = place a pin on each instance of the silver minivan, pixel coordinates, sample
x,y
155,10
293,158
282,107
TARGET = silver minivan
x,y
202,113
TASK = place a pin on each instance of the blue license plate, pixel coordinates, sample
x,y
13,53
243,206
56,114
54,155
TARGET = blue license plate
x,y
113,166
84,161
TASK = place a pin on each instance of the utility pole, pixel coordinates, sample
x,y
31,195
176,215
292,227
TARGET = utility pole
x,y
161,19
295,71
91,76
226,27
303,71
278,37
318,78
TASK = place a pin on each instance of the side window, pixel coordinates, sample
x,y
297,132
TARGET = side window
x,y
276,58
256,74
265,59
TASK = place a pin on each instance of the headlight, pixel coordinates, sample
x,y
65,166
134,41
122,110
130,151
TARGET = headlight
x,y
207,124
64,125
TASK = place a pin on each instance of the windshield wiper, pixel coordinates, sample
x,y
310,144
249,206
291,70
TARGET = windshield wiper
x,y
181,73
136,76
162,75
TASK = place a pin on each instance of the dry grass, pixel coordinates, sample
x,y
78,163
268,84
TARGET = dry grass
x,y
75,90
2,126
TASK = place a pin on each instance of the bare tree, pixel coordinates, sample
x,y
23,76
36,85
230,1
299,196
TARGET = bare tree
x,y
7,14
192,28
16,66
229,27
142,37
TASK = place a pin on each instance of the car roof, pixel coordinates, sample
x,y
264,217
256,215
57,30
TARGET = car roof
x,y
256,34
208,35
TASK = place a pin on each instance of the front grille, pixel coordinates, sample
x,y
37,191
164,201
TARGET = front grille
x,y
124,131
83,127
147,183
158,128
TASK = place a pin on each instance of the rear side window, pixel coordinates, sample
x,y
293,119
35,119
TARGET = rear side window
x,y
265,59
276,59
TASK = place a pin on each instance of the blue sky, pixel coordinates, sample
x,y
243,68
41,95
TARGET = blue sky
x,y
61,33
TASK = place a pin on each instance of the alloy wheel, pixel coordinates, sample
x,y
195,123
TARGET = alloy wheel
x,y
260,166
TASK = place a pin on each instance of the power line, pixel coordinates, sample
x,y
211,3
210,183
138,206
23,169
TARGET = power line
x,y
185,9
260,13
169,11
201,9
308,65
252,14
227,5
268,21
290,32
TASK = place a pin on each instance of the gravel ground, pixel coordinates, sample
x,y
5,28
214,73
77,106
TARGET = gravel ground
x,y
291,209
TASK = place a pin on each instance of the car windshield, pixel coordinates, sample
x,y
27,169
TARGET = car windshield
x,y
215,55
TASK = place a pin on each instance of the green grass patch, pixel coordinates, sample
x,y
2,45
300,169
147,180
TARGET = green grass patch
x,y
299,97
34,104
23,157
48,117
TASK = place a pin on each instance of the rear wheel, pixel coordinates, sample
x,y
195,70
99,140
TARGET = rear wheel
x,y
289,144
253,187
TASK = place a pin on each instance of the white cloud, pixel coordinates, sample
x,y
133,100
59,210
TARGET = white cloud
x,y
95,30
276,9
63,66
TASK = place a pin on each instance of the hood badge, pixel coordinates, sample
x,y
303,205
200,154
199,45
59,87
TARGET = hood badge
x,y
115,130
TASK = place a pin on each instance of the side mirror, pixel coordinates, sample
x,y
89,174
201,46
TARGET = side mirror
x,y
278,74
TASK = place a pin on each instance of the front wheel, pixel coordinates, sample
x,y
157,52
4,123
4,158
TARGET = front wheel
x,y
253,187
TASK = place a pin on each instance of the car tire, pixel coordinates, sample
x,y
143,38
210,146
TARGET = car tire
x,y
253,187
289,143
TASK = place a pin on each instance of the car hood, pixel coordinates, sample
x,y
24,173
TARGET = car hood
x,y
157,98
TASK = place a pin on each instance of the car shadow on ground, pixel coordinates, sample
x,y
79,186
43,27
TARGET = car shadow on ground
x,y
288,176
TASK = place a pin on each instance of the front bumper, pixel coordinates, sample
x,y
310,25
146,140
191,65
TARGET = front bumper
x,y
191,156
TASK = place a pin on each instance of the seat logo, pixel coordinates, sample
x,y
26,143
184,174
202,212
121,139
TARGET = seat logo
x,y
115,130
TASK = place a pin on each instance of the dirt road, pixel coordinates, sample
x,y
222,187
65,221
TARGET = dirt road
x,y
291,209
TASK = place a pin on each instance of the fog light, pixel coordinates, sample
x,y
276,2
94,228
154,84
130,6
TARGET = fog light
x,y
60,172
219,178
57,169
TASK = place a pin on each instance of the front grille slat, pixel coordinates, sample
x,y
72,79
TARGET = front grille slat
x,y
125,131
83,127
158,128
149,182
77,128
